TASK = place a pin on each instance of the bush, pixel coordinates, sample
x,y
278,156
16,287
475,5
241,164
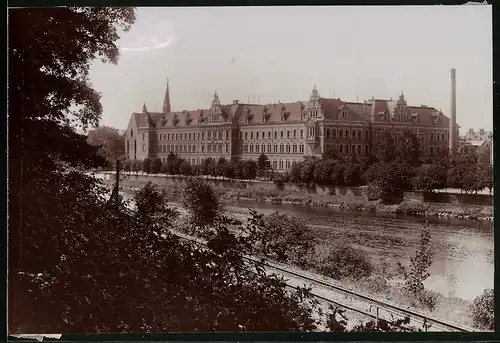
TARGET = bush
x,y
412,207
483,311
345,261
286,238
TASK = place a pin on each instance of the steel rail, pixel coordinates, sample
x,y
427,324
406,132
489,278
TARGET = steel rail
x,y
379,303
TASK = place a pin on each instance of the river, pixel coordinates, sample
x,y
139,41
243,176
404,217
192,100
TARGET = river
x,y
464,249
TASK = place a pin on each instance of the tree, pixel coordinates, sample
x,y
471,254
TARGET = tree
x,y
323,171
307,170
249,169
146,165
263,164
352,174
201,202
295,172
156,165
48,79
111,143
185,168
409,150
483,311
221,166
386,148
418,271
137,166
430,177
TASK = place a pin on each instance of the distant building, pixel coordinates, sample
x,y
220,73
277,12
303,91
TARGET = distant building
x,y
482,140
285,132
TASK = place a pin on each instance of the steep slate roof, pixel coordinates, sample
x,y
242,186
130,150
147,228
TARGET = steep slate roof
x,y
273,111
369,111
333,107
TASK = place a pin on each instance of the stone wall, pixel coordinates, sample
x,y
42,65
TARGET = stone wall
x,y
357,192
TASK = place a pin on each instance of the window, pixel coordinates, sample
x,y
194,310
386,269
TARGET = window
x,y
203,135
442,136
143,137
301,133
245,148
281,165
359,133
327,133
189,136
131,133
281,134
257,148
432,137
275,148
209,135
431,150
294,133
257,135
227,147
301,148
246,135
251,148
203,148
287,164
288,148
275,134
294,149
287,134
220,134
282,148
275,165
185,135
263,147
241,135
219,148
359,148
251,135
269,134
194,148
269,148
227,134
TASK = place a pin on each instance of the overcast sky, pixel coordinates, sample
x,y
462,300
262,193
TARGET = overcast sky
x,y
280,53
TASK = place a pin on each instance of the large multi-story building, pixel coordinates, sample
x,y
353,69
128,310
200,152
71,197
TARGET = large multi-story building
x,y
285,132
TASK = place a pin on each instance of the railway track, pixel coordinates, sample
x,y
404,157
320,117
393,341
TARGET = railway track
x,y
360,304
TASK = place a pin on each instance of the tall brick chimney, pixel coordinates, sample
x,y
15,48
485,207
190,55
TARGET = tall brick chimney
x,y
453,113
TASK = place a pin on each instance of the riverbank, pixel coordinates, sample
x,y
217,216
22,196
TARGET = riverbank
x,y
336,202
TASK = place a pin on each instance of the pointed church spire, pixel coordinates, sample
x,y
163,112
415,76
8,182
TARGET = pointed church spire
x,y
166,101
144,109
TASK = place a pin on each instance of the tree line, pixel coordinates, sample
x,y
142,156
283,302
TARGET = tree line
x,y
388,171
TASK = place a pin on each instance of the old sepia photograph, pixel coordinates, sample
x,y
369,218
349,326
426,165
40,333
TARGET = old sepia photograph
x,y
250,169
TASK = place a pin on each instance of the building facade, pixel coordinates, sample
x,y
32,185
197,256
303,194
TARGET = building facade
x,y
285,132
481,140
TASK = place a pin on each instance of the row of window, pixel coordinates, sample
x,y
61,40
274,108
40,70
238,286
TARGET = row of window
x,y
438,136
219,148
271,134
192,135
356,149
272,149
346,133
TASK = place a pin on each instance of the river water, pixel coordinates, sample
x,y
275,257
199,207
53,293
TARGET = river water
x,y
463,265
464,249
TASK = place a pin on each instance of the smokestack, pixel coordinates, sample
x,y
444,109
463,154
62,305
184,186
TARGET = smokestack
x,y
453,113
